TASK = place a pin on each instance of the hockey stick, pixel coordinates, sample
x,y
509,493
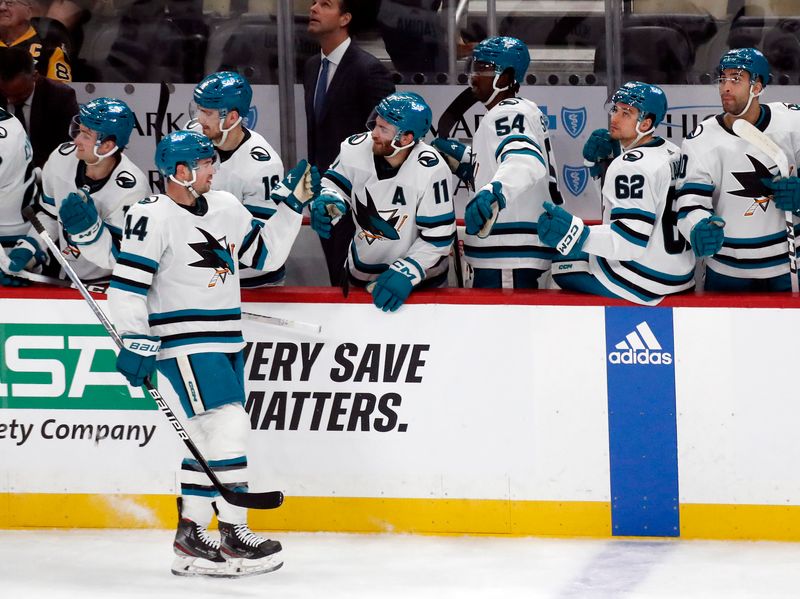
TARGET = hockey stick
x,y
451,115
161,113
754,136
263,501
283,322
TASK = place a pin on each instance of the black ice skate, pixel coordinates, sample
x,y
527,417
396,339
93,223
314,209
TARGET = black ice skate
x,y
196,553
248,553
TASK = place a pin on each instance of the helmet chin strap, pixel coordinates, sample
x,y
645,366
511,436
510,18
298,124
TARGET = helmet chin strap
x,y
187,184
225,131
639,135
101,157
496,89
750,97
398,149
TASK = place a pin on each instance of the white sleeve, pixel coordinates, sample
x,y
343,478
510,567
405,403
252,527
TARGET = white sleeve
x,y
266,245
135,268
694,189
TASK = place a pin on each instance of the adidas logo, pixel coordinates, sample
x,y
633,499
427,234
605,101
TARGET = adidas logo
x,y
640,346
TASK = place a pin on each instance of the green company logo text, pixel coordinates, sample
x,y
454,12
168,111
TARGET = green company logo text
x,y
63,366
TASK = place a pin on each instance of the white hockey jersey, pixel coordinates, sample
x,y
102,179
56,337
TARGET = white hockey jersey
x,y
638,253
250,172
17,181
512,146
723,175
406,215
177,274
93,260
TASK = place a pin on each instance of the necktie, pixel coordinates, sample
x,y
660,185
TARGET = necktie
x,y
322,88
20,114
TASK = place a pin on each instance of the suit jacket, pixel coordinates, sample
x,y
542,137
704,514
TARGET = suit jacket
x,y
52,109
360,82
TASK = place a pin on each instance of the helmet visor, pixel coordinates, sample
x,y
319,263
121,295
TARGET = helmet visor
x,y
384,128
480,68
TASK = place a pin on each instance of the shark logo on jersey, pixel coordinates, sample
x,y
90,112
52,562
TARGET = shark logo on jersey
x,y
125,180
3,133
753,187
251,118
373,225
575,178
260,154
216,254
574,120
632,156
640,346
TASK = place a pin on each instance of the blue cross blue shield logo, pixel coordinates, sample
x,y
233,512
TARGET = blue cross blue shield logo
x,y
575,178
574,120
251,119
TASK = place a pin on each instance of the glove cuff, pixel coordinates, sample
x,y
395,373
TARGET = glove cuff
x,y
409,268
89,235
496,189
143,345
281,193
574,236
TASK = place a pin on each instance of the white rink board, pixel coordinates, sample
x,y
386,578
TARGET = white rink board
x,y
522,415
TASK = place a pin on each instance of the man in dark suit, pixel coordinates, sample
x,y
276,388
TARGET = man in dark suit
x,y
45,107
342,85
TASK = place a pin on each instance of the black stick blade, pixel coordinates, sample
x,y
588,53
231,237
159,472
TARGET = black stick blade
x,y
268,500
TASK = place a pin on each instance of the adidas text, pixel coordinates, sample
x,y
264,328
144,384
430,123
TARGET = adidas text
x,y
644,356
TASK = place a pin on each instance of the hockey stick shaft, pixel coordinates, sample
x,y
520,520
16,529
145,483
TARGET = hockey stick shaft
x,y
754,136
267,500
283,322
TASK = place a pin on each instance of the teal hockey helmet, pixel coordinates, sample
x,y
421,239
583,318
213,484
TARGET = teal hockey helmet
x,y
224,91
647,98
108,117
746,59
504,53
182,147
407,111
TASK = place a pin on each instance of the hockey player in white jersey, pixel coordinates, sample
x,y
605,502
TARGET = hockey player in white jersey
x,y
87,185
397,190
175,301
514,172
249,166
727,176
637,253
17,187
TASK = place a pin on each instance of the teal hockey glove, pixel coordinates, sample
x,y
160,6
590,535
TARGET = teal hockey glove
x,y
299,187
324,210
458,157
707,236
559,229
79,216
394,285
137,357
26,253
785,193
482,210
599,147
9,281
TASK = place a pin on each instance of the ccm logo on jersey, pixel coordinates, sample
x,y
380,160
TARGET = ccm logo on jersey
x,y
640,346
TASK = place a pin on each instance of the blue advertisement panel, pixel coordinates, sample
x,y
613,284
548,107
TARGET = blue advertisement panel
x,y
643,445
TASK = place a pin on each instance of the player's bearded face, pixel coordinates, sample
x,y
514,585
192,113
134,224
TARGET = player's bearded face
x,y
209,121
734,90
382,135
204,175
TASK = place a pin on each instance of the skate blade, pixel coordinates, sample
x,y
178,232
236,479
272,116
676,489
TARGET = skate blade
x,y
240,568
196,566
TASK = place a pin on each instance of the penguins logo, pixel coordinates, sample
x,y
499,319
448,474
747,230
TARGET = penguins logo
x,y
216,254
